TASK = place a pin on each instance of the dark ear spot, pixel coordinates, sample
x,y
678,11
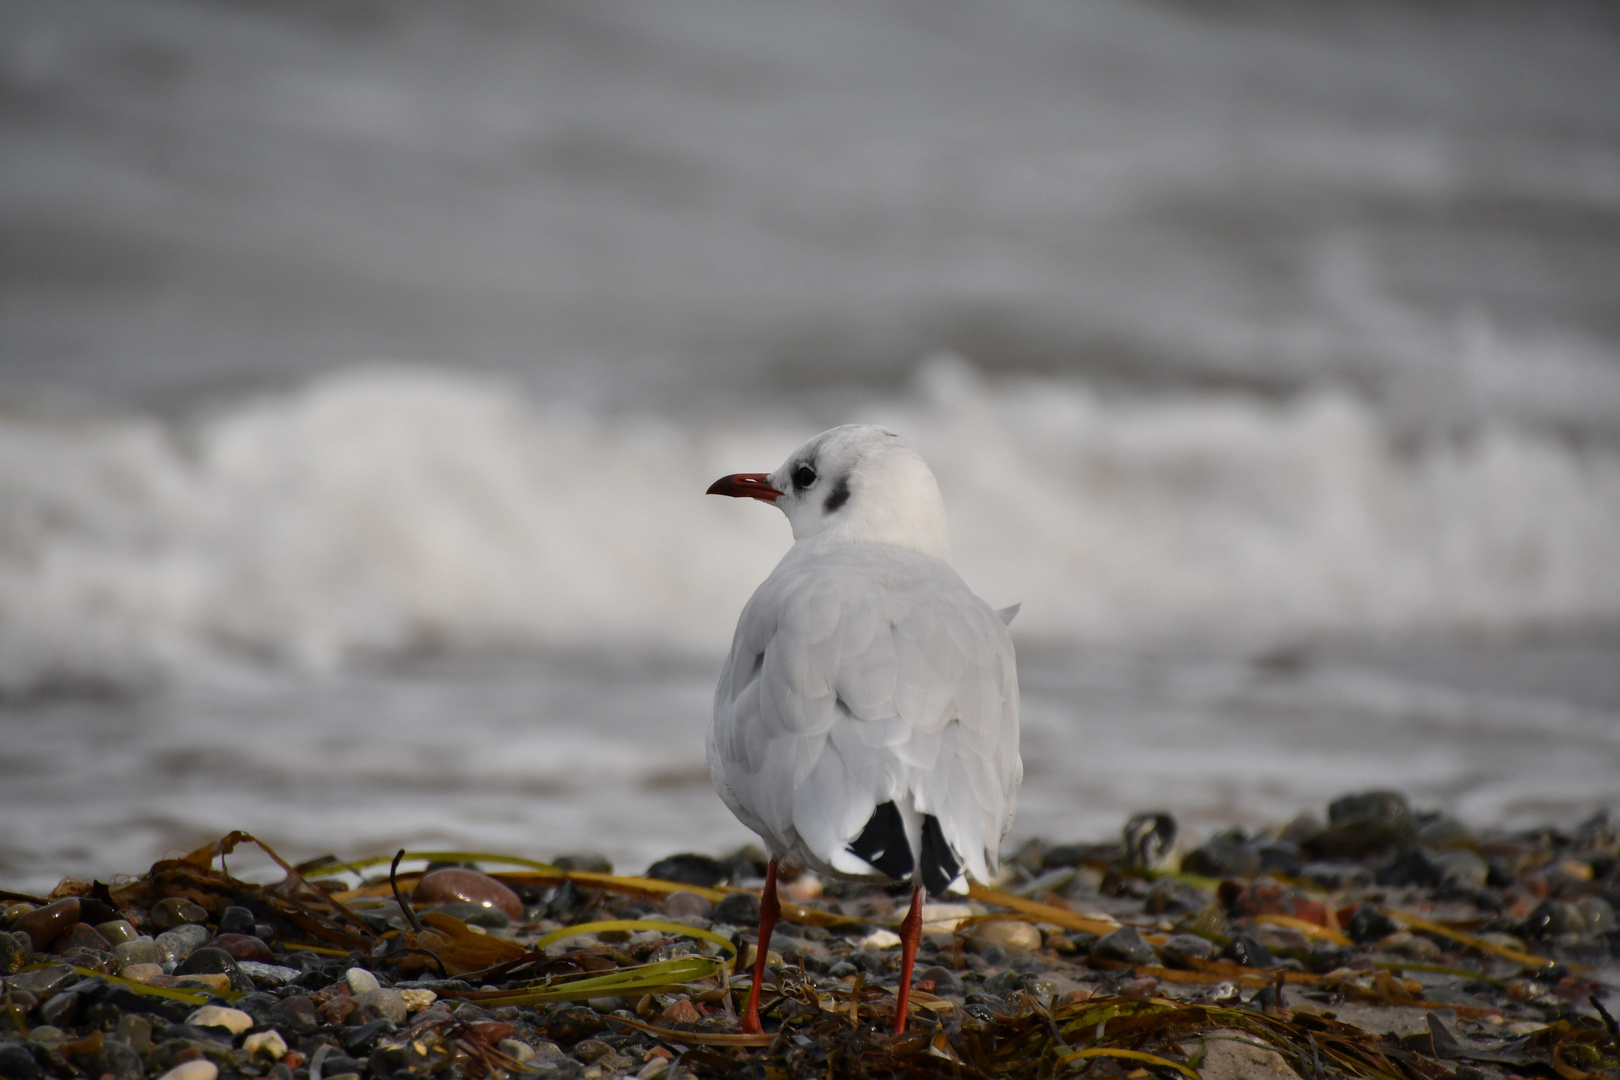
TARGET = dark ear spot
x,y
838,496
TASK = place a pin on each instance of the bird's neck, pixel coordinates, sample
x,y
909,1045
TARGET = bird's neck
x,y
918,527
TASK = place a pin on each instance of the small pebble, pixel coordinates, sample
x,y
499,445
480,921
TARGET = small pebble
x,y
117,931
265,1044
233,1020
141,973
518,1051
200,1069
44,980
236,920
1181,948
417,998
141,950
275,973
180,942
207,960
244,947
738,909
176,911
1222,856
220,983
453,883
1124,945
1009,934
1142,988
361,981
944,918
879,939
44,925
135,1032
13,954
687,905
386,1003
688,869
680,1011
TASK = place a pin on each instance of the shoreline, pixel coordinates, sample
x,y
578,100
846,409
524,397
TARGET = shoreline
x,y
1383,942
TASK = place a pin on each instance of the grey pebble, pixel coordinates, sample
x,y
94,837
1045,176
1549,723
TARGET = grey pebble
x,y
180,942
44,981
1181,948
268,972
1124,945
142,950
945,980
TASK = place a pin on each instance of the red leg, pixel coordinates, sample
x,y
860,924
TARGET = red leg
x,y
910,936
769,910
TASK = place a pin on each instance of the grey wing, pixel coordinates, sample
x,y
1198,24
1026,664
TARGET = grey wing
x,y
870,678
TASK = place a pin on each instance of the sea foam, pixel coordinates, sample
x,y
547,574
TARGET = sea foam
x,y
394,510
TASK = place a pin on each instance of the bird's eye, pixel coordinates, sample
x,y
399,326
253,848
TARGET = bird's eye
x,y
804,476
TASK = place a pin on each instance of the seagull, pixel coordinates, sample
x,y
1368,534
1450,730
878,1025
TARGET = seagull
x,y
866,719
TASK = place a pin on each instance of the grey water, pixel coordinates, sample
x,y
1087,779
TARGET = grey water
x,y
362,365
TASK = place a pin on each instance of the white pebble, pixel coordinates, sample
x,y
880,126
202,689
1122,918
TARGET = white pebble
x,y
268,1044
201,1069
361,981
233,1020
880,939
520,1052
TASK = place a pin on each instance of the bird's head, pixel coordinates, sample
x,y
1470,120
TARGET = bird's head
x,y
853,484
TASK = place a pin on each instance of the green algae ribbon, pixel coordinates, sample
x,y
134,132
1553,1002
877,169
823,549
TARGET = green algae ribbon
x,y
637,980
633,925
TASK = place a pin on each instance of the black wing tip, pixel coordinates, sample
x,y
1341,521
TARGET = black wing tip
x,y
882,843
940,865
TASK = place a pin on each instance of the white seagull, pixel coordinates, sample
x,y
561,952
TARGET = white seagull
x,y
866,721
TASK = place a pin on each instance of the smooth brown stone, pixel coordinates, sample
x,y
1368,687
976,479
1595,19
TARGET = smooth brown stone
x,y
338,1009
469,886
244,947
177,911
83,936
44,925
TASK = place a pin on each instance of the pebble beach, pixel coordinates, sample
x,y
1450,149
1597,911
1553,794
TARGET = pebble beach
x,y
1369,938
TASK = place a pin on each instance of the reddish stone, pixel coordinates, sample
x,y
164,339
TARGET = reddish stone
x,y
681,1011
244,947
469,886
332,990
83,936
1141,989
44,925
1272,898
338,1009
491,1032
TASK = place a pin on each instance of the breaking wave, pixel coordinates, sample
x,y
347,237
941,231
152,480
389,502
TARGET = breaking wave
x,y
397,510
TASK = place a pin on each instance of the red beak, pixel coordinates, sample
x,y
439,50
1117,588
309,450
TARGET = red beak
x,y
745,485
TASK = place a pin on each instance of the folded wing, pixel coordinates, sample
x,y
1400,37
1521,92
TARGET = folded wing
x,y
860,676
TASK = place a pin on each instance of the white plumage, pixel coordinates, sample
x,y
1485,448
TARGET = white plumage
x,y
864,672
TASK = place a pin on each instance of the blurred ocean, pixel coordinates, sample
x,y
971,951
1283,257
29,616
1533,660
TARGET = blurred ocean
x,y
362,366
